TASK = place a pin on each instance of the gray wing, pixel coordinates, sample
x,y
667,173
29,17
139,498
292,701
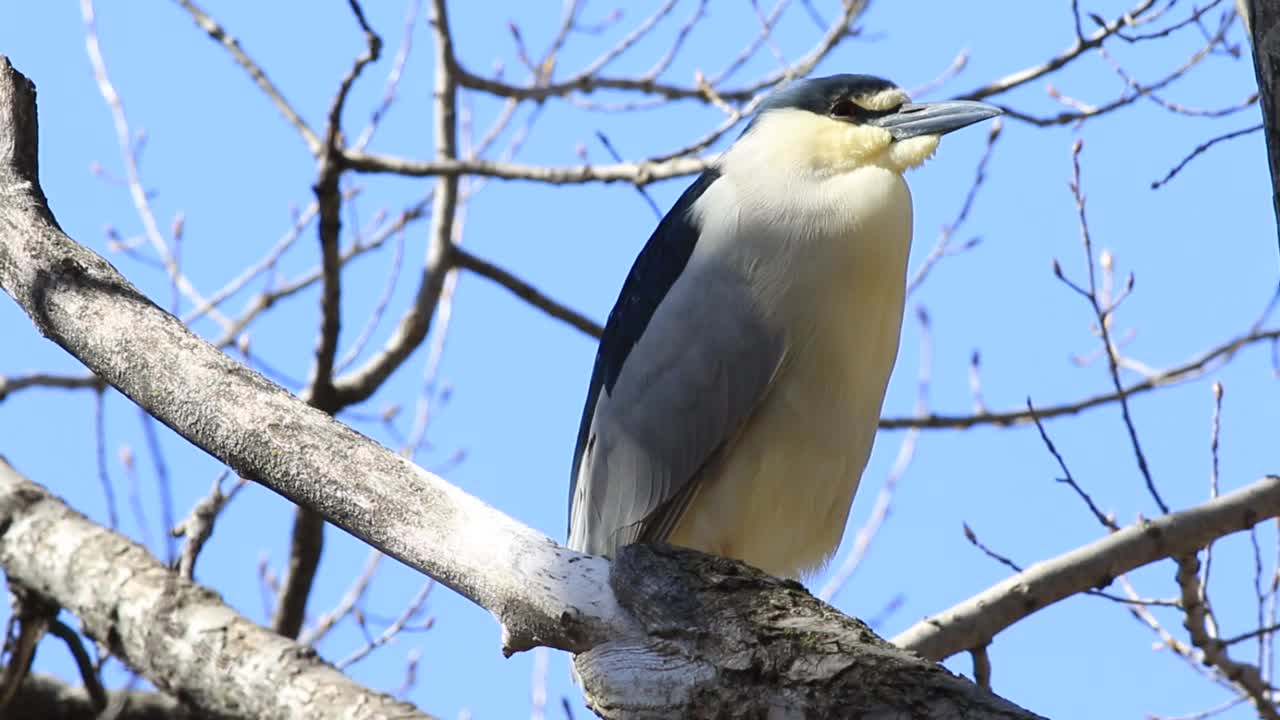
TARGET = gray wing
x,y
704,362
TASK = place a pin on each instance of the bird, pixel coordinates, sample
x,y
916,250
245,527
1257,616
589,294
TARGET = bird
x,y
738,383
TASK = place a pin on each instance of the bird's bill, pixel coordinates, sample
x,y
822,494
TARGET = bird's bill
x,y
940,118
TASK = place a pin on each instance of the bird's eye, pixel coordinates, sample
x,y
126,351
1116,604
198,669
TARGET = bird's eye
x,y
844,109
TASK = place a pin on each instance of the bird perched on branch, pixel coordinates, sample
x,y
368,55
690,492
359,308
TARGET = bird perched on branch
x,y
738,384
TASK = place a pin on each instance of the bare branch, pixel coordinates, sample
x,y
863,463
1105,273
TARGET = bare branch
x,y
943,246
81,302
589,79
128,155
1214,653
1076,49
1201,148
197,527
266,300
1102,311
393,77
410,611
415,323
355,593
638,173
379,307
267,263
329,202
978,619
1083,111
100,457
10,385
223,38
163,481
541,593
1103,519
525,291
177,634
307,540
1194,368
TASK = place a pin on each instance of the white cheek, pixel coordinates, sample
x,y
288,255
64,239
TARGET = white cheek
x,y
912,152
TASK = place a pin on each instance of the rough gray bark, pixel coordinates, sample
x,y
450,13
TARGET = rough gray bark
x,y
78,300
178,635
722,639
752,646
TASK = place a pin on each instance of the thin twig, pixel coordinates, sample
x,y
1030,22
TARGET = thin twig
x,y
163,481
223,38
379,307
349,602
1103,519
10,385
129,157
943,247
411,611
197,527
100,456
1215,431
414,324
1075,50
525,291
1103,317
981,617
1200,149
589,79
1196,367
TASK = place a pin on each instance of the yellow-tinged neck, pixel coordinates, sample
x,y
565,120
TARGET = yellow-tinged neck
x,y
797,139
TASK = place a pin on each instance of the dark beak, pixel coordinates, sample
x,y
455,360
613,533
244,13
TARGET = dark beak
x,y
938,118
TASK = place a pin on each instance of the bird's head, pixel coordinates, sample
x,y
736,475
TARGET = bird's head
x,y
835,125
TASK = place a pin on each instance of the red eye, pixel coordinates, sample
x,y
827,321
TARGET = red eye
x,y
844,108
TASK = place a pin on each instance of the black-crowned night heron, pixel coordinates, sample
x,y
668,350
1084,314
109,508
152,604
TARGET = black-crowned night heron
x,y
738,385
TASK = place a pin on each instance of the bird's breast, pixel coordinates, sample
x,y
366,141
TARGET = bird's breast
x,y
833,280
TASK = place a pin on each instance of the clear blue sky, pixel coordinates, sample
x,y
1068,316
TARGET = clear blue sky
x,y
1203,249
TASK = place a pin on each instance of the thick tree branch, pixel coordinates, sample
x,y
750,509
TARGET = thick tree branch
x,y
177,634
974,622
263,432
307,540
725,640
716,618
